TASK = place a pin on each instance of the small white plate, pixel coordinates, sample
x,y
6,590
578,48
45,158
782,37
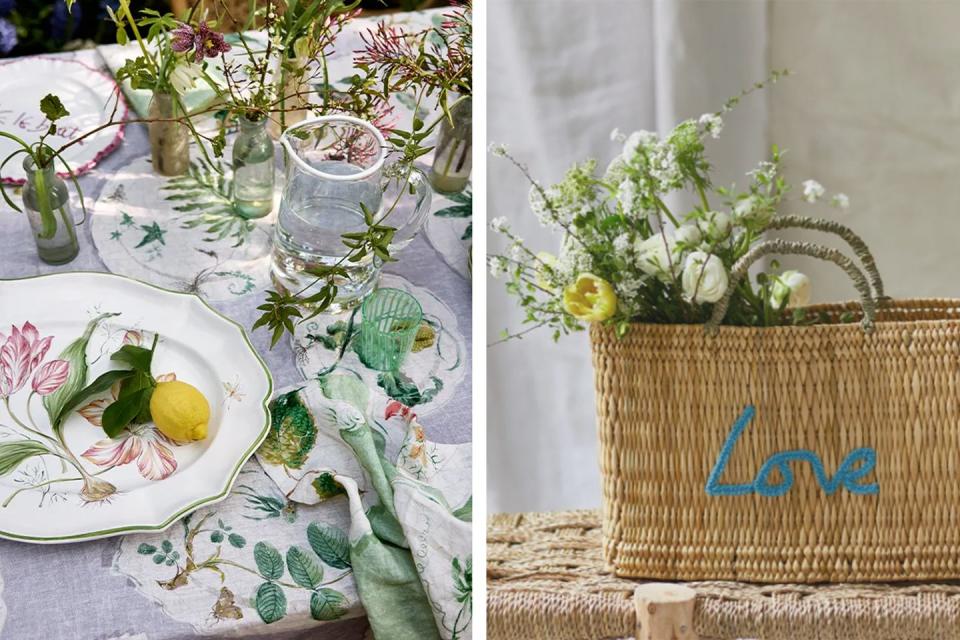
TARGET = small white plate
x,y
88,94
142,480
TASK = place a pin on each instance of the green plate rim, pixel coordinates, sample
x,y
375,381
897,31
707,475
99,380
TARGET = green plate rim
x,y
199,503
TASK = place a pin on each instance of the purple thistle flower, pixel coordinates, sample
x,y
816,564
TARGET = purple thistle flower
x,y
8,36
202,40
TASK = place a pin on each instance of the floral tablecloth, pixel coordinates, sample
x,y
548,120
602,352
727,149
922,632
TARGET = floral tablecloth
x,y
157,586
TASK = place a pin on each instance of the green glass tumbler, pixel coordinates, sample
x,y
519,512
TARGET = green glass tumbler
x,y
391,318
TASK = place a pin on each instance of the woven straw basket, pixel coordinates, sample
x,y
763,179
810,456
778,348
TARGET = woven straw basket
x,y
668,397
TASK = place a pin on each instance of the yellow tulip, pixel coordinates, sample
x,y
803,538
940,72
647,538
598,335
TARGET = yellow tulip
x,y
590,298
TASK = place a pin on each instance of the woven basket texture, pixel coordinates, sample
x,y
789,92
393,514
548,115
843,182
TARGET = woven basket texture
x,y
546,580
668,396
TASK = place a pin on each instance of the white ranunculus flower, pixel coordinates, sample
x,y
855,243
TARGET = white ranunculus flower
x,y
688,235
715,225
704,278
792,287
658,254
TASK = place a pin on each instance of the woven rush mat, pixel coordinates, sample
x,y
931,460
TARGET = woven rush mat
x,y
546,579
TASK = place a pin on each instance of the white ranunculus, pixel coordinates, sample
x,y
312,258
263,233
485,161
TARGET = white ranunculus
x,y
658,256
715,225
688,235
704,278
792,287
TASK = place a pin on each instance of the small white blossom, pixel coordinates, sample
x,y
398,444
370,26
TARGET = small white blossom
x,y
573,260
497,149
841,201
765,170
712,124
616,136
636,140
622,244
664,167
498,266
812,190
627,196
499,224
704,278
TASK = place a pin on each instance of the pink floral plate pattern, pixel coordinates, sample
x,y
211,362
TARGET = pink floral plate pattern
x,y
61,477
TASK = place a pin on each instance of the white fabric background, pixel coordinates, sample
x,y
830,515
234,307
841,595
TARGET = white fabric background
x,y
872,110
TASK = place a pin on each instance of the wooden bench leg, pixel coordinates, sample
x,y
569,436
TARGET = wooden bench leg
x,y
664,612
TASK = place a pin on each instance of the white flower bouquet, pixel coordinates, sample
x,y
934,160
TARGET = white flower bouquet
x,y
625,257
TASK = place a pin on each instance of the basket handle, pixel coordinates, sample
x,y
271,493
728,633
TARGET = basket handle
x,y
740,268
856,243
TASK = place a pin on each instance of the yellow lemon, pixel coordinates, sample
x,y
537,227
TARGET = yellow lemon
x,y
180,411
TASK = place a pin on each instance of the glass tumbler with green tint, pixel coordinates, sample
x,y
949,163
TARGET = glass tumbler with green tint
x,y
391,318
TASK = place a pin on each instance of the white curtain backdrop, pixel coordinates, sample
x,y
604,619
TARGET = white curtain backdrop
x,y
561,75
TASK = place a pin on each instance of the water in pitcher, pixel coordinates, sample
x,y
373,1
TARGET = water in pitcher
x,y
309,230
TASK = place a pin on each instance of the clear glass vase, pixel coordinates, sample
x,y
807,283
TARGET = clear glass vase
x,y
253,169
46,202
169,140
452,160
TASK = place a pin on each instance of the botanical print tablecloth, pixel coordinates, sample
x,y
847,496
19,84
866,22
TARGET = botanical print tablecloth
x,y
202,576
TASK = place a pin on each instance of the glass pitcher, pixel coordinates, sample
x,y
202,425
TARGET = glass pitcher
x,y
336,166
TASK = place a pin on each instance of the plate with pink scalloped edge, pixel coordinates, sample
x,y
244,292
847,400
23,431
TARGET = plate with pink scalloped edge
x,y
90,95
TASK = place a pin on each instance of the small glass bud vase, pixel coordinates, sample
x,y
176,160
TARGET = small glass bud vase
x,y
46,202
253,169
452,160
169,140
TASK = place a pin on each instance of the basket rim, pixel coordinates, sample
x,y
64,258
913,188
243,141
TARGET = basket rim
x,y
947,308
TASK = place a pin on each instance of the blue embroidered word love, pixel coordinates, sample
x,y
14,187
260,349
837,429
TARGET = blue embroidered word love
x,y
848,475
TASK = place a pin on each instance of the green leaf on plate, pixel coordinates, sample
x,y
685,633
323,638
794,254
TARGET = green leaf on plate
x,y
120,413
236,540
136,357
146,549
270,601
13,453
304,570
328,604
269,561
331,544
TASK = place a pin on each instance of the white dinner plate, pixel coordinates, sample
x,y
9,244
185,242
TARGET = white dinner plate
x,y
86,485
88,94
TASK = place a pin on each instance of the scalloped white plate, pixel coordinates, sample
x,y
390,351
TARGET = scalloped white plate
x,y
140,481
